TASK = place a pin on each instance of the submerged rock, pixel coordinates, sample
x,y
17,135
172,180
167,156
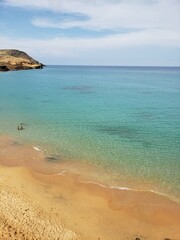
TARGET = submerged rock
x,y
11,59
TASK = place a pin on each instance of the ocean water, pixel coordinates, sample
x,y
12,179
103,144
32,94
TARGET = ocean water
x,y
124,120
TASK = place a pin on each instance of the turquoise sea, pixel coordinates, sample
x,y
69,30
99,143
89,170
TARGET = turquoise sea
x,y
123,120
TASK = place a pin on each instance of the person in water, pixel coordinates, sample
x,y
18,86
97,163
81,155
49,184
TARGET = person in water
x,y
20,127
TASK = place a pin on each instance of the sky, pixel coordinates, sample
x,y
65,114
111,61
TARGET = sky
x,y
93,32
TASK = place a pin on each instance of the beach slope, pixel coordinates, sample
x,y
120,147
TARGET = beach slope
x,y
36,202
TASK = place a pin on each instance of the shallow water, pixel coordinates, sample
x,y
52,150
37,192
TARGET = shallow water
x,y
123,119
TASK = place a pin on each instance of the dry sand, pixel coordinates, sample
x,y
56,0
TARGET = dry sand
x,y
38,203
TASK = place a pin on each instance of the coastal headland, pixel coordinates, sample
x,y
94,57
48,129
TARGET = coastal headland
x,y
41,199
12,59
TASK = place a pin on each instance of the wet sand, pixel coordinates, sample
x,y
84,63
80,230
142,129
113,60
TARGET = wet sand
x,y
40,199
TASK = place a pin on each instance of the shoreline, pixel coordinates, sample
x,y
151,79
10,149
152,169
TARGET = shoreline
x,y
130,213
50,163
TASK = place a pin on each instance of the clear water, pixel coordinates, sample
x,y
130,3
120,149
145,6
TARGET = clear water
x,y
123,119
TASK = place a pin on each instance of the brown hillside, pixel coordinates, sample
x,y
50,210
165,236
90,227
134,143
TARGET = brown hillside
x,y
11,59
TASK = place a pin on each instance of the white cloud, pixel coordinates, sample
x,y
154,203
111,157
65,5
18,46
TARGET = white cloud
x,y
109,14
153,18
64,46
158,21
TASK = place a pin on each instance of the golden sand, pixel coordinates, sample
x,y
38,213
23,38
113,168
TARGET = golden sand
x,y
43,200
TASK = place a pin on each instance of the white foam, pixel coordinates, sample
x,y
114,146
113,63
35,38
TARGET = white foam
x,y
36,148
105,186
62,172
121,188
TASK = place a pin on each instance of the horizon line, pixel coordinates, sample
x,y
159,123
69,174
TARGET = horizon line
x,y
87,65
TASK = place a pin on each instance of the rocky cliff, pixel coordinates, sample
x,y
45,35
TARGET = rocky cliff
x,y
11,59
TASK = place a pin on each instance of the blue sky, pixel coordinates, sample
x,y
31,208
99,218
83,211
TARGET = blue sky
x,y
93,32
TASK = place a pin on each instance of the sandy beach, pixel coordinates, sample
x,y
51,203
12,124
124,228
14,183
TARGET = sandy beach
x,y
37,202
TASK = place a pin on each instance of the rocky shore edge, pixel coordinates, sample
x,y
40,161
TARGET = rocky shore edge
x,y
12,60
